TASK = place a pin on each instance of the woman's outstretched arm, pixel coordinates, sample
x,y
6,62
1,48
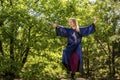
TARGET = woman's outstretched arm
x,y
60,30
89,29
95,20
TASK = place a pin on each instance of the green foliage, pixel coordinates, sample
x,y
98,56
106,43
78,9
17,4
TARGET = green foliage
x,y
29,48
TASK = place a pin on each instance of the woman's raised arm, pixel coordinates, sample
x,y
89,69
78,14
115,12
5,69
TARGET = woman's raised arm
x,y
60,30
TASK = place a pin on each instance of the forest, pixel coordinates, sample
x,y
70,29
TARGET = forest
x,y
30,49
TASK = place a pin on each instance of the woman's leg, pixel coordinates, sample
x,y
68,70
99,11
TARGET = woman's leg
x,y
65,57
67,68
72,76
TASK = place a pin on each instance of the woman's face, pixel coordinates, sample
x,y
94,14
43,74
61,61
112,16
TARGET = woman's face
x,y
72,24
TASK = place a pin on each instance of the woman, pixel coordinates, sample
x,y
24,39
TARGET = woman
x,y
72,54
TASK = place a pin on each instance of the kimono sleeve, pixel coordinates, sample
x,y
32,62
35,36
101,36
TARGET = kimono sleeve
x,y
88,30
61,31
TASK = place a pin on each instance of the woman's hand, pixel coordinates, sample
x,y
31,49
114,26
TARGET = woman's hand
x,y
54,25
95,20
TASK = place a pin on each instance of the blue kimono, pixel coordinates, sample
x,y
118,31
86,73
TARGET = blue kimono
x,y
72,54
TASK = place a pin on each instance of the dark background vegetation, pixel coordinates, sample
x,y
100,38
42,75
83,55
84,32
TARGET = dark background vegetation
x,y
29,48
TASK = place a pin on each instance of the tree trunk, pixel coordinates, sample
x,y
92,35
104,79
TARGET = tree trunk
x,y
1,48
113,65
11,49
115,46
26,52
109,65
10,75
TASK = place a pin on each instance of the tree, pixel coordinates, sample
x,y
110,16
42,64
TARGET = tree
x,y
30,49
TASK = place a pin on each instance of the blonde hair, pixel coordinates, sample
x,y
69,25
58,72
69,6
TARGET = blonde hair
x,y
76,23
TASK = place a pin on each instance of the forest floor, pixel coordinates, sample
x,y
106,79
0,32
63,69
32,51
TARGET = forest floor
x,y
67,77
75,79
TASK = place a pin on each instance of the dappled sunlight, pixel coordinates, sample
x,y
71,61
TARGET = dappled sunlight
x,y
31,50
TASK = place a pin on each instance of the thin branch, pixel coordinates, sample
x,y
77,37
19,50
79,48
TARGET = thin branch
x,y
109,48
26,54
103,47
